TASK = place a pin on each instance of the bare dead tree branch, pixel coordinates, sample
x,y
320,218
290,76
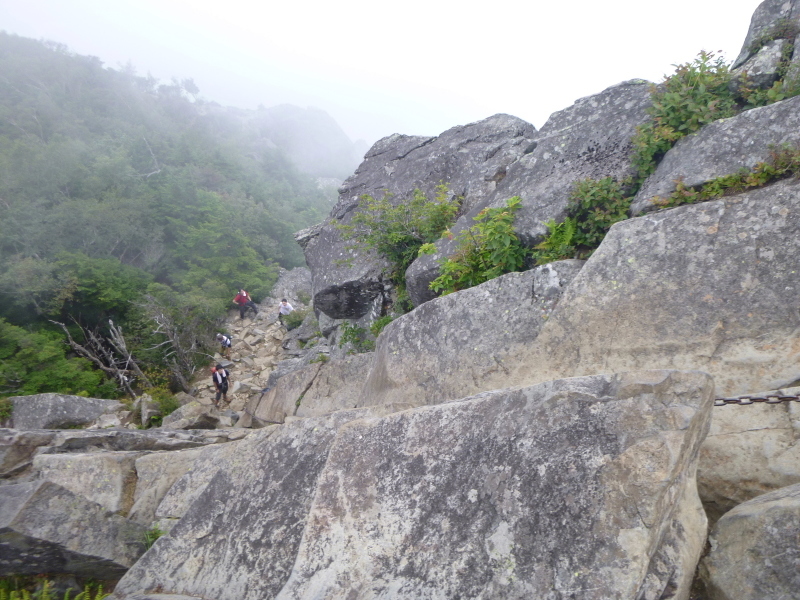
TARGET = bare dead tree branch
x,y
155,160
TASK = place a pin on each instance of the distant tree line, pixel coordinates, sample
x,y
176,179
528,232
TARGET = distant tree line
x,y
132,204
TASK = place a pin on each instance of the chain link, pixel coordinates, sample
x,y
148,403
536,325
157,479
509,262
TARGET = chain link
x,y
768,399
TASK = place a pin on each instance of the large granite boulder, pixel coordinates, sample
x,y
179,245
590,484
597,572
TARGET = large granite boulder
x,y
711,286
568,489
284,397
239,539
470,159
459,344
337,386
107,478
18,449
157,473
193,415
750,450
590,139
45,528
755,554
58,411
722,148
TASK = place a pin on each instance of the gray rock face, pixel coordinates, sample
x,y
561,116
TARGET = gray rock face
x,y
754,550
765,17
722,148
590,139
565,489
283,399
192,416
45,528
711,286
239,540
58,411
470,159
750,450
459,344
337,386
761,70
107,478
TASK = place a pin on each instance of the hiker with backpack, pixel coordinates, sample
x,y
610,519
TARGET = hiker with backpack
x,y
224,345
243,301
220,377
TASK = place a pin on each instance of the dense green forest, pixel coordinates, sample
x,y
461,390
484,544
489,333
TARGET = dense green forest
x,y
132,210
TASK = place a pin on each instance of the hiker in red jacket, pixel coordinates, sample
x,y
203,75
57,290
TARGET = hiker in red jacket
x,y
243,301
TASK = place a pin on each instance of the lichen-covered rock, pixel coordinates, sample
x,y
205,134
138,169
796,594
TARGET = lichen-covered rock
x,y
722,148
459,344
470,159
283,399
45,528
156,474
712,286
240,538
566,489
337,386
768,14
750,450
590,139
193,415
58,411
107,478
755,554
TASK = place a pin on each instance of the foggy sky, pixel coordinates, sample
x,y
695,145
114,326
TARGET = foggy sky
x,y
416,67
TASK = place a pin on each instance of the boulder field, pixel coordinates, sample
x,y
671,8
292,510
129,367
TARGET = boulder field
x,y
550,433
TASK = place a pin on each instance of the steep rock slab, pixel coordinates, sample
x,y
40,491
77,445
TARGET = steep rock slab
x,y
590,139
107,478
240,538
58,411
722,148
194,481
337,386
566,489
156,474
470,159
712,286
750,450
459,344
285,396
755,554
45,528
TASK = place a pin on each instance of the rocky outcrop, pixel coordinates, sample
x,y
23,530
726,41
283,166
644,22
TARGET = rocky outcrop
x,y
590,139
239,540
45,528
722,148
470,159
107,478
337,386
711,286
566,488
750,450
58,411
754,551
768,14
460,344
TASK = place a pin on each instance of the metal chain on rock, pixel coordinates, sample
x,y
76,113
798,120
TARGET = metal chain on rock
x,y
768,399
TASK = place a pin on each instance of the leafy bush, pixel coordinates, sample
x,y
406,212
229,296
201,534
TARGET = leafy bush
x,y
396,231
595,205
379,324
559,243
150,537
357,336
696,94
486,250
6,409
295,318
